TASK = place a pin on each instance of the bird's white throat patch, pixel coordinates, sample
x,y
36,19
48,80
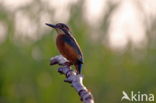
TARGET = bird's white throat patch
x,y
59,31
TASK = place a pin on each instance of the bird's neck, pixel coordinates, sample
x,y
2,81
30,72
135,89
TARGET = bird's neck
x,y
59,31
64,33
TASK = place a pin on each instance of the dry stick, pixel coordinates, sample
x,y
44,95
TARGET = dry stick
x,y
71,77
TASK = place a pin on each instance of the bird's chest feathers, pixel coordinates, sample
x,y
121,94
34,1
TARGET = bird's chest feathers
x,y
68,48
60,41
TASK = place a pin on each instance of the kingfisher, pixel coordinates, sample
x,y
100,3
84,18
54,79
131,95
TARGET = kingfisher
x,y
68,46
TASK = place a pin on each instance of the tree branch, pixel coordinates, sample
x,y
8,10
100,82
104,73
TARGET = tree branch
x,y
75,80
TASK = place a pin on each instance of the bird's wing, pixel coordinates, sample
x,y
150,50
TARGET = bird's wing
x,y
71,42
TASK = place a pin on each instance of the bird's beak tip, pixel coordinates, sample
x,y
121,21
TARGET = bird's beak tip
x,y
51,25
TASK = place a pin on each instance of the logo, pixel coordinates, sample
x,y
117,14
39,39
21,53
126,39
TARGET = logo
x,y
138,96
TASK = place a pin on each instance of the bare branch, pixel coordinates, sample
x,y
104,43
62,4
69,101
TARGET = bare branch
x,y
71,77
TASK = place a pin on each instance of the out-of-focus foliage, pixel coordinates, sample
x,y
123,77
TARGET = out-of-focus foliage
x,y
27,77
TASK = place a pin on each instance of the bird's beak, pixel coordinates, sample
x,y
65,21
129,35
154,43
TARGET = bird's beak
x,y
51,25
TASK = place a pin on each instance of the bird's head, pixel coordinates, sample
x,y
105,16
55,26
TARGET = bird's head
x,y
60,28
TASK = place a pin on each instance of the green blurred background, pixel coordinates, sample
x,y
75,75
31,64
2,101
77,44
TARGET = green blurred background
x,y
26,46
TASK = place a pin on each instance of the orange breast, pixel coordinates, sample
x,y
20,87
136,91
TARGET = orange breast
x,y
67,50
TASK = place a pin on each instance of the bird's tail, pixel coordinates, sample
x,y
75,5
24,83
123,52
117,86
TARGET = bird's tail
x,y
78,68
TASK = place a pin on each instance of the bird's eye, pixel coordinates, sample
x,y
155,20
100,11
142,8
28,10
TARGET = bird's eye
x,y
62,26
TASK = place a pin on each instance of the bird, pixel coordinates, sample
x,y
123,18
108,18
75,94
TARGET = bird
x,y
68,46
